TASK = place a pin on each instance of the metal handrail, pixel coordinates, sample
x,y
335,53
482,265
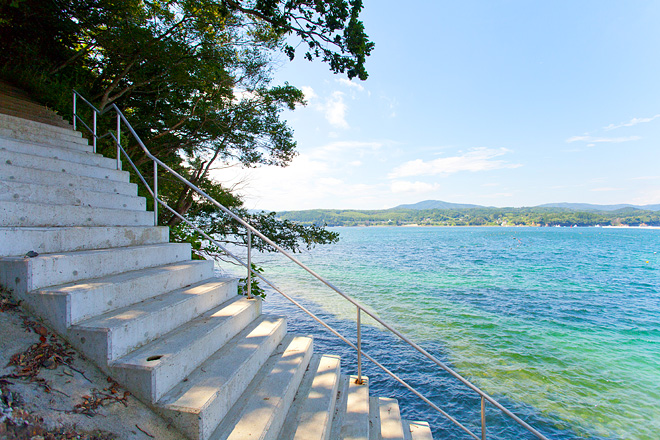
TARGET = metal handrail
x,y
250,272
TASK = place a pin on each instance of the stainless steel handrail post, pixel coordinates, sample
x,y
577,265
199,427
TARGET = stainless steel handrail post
x,y
483,418
118,142
249,264
75,114
155,193
94,119
359,347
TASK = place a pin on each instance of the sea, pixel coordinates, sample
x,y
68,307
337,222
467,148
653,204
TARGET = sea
x,y
559,325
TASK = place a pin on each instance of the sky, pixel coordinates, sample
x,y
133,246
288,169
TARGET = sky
x,y
493,102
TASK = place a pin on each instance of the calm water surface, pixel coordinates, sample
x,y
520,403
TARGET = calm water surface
x,y
561,325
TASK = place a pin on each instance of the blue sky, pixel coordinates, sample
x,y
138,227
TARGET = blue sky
x,y
498,103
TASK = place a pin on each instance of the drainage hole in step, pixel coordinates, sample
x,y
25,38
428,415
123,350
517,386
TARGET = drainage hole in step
x,y
153,358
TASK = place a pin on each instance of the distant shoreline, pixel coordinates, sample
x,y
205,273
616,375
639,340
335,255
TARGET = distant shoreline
x,y
494,226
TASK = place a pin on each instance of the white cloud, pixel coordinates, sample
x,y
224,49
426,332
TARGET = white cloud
x,y
592,139
355,148
402,186
355,163
633,121
309,93
349,83
335,110
479,159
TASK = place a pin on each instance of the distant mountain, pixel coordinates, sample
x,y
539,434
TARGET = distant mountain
x,y
591,207
436,204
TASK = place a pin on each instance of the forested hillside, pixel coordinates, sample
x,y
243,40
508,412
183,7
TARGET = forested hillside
x,y
475,217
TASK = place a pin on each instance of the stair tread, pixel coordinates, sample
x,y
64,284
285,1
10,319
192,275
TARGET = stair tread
x,y
355,424
203,384
416,430
43,127
27,160
180,338
123,316
67,267
16,173
313,408
72,153
124,277
154,370
17,241
260,412
43,214
391,427
30,192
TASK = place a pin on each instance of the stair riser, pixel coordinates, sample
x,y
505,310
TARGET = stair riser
x,y
28,126
78,155
57,165
19,241
67,306
41,215
32,193
137,332
150,384
54,269
41,177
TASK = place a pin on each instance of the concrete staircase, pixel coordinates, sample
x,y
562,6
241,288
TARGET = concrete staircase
x,y
161,324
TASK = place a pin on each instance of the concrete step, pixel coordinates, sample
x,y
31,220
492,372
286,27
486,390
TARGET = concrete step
x,y
340,407
198,404
115,333
81,155
261,411
154,369
11,190
354,425
68,304
24,275
45,117
390,426
23,129
18,241
42,215
59,165
27,126
65,180
310,416
416,430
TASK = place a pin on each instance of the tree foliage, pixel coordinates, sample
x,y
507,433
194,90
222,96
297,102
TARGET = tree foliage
x,y
194,77
475,217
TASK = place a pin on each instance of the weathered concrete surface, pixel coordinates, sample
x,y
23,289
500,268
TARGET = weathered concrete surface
x,y
16,241
69,304
154,369
12,190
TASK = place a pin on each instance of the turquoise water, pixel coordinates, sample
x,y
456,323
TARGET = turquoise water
x,y
561,325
